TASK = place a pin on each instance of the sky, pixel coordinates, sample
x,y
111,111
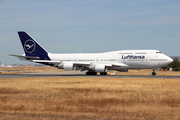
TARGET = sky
x,y
86,26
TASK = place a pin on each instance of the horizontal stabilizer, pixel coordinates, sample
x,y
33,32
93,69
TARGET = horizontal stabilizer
x,y
24,58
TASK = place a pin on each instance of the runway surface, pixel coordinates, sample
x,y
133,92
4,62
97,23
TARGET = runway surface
x,y
77,74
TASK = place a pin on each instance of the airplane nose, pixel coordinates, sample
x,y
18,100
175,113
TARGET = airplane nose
x,y
170,60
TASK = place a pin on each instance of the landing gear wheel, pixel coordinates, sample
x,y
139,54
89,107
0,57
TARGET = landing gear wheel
x,y
91,73
103,73
94,73
153,73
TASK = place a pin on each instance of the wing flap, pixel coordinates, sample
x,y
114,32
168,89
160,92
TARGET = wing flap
x,y
119,65
49,61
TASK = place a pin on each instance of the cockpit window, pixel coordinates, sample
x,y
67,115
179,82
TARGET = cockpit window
x,y
158,52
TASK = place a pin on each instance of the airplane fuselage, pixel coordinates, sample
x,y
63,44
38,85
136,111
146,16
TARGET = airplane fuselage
x,y
93,62
135,59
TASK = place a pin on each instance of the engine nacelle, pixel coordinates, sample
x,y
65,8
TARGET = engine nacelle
x,y
68,66
100,68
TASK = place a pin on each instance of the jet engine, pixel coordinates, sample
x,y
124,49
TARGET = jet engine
x,y
100,68
68,66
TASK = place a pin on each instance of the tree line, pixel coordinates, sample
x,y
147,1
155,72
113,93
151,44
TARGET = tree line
x,y
175,65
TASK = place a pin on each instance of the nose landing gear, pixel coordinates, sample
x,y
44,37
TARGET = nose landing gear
x,y
153,73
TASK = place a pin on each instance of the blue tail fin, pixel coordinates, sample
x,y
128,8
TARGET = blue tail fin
x,y
31,47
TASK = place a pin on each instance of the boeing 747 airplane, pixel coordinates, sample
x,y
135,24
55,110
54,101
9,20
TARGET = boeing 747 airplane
x,y
93,62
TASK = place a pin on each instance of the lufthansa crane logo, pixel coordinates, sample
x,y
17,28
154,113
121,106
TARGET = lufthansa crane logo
x,y
29,46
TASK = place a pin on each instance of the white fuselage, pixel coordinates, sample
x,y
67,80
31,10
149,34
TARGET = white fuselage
x,y
134,59
93,63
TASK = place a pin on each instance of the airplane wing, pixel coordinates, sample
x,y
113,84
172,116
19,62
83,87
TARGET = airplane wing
x,y
58,63
81,65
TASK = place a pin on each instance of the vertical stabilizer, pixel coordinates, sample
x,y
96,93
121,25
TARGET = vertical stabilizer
x,y
31,47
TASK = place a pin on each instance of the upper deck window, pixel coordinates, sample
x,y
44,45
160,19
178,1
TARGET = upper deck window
x,y
125,53
140,53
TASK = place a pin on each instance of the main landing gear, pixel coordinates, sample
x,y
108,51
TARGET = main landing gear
x,y
153,73
95,73
103,73
91,73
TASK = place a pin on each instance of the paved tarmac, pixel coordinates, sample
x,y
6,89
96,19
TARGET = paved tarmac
x,y
77,74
